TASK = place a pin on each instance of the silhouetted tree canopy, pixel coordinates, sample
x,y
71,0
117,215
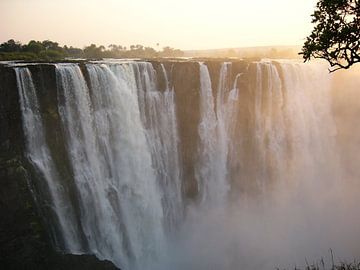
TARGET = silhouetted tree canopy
x,y
50,50
336,34
10,46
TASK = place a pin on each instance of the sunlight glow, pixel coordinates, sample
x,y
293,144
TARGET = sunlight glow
x,y
186,24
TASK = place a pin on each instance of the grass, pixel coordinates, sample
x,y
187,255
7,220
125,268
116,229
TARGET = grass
x,y
321,265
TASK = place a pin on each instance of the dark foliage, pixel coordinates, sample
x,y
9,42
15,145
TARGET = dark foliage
x,y
339,266
336,34
49,50
321,265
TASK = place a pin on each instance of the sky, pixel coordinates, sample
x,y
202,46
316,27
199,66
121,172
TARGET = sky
x,y
183,24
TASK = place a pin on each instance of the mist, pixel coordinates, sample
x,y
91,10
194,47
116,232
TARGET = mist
x,y
309,216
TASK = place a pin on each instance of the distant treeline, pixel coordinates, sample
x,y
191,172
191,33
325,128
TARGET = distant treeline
x,y
50,50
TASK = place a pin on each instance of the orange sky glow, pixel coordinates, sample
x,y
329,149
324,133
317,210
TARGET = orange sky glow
x,y
185,24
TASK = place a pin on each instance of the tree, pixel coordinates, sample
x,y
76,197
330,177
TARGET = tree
x,y
10,46
336,34
47,50
93,51
34,47
73,52
50,45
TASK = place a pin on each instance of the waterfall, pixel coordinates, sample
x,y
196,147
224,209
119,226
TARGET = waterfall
x,y
111,164
216,129
213,145
39,154
311,130
159,118
92,181
267,127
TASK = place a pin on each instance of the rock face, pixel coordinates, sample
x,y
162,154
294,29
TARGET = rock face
x,y
20,229
24,242
187,91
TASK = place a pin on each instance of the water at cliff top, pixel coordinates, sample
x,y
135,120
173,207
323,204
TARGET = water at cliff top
x,y
267,187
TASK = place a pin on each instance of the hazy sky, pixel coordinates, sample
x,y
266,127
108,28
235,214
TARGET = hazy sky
x,y
184,24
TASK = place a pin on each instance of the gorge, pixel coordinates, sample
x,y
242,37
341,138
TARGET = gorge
x,y
178,164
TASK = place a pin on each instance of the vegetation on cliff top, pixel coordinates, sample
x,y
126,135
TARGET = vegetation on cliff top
x,y
50,50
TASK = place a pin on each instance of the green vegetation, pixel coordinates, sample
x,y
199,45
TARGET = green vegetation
x,y
49,50
336,34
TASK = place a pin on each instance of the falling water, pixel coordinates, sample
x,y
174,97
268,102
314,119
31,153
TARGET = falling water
x,y
311,129
212,161
39,154
267,128
159,118
121,214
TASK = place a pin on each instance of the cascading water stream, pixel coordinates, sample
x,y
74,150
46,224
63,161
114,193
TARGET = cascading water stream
x,y
211,169
112,164
98,216
270,129
308,125
39,154
159,118
215,130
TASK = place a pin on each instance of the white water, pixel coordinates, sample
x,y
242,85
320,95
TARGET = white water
x,y
39,154
296,165
125,152
159,118
120,203
211,170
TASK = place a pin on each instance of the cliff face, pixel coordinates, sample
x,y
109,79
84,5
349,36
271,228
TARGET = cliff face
x,y
20,230
187,91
